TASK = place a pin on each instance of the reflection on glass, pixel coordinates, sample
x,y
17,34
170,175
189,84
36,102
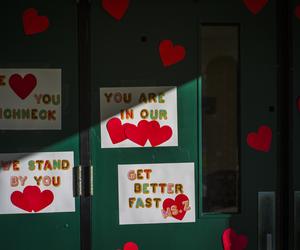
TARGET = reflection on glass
x,y
219,66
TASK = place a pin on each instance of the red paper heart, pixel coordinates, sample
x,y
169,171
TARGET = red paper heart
x,y
260,141
233,241
158,135
179,203
255,6
138,134
115,130
297,11
170,54
33,23
130,246
116,8
22,86
298,103
32,199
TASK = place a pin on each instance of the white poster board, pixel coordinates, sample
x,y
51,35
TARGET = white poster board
x,y
30,99
36,183
138,117
156,193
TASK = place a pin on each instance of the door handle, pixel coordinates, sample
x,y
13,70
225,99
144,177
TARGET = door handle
x,y
266,221
296,219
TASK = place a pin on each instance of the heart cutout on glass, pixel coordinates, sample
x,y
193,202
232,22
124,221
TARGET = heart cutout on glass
x,y
32,199
233,241
171,54
115,130
22,86
33,23
116,8
176,208
255,6
261,140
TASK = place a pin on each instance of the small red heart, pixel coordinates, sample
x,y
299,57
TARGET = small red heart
x,y
138,134
130,246
115,130
22,86
298,103
255,6
260,141
170,54
116,8
33,23
233,241
158,135
32,199
179,203
297,11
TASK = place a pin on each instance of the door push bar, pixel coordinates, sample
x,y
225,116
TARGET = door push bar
x,y
266,221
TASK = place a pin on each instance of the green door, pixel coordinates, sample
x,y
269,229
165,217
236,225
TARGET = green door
x,y
220,59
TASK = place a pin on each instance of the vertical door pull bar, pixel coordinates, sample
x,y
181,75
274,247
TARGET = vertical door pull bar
x,y
266,221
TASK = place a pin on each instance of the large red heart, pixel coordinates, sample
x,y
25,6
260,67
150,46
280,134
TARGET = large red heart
x,y
22,86
233,241
115,130
130,246
116,8
255,6
33,23
170,54
179,202
138,134
298,103
261,140
158,135
32,199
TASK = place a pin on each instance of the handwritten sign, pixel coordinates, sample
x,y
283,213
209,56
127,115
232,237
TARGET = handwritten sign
x,y
30,99
156,193
36,183
138,117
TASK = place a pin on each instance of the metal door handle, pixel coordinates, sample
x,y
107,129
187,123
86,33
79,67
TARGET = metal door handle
x,y
266,220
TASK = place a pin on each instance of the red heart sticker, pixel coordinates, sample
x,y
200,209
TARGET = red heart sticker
x,y
255,6
158,135
115,130
176,208
130,246
170,54
298,103
233,241
33,23
32,199
22,86
116,8
138,134
261,140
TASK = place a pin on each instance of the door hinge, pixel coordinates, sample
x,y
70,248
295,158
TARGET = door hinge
x,y
83,181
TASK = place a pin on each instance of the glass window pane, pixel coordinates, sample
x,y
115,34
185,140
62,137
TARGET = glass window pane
x,y
219,66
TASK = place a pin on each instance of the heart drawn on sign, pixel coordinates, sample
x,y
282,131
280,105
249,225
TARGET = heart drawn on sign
x,y
33,23
130,246
115,130
116,8
176,208
32,199
138,134
22,86
261,140
233,241
255,6
170,54
158,135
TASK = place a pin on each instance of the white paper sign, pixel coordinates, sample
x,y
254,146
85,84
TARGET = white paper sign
x,y
30,99
156,193
138,117
36,183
